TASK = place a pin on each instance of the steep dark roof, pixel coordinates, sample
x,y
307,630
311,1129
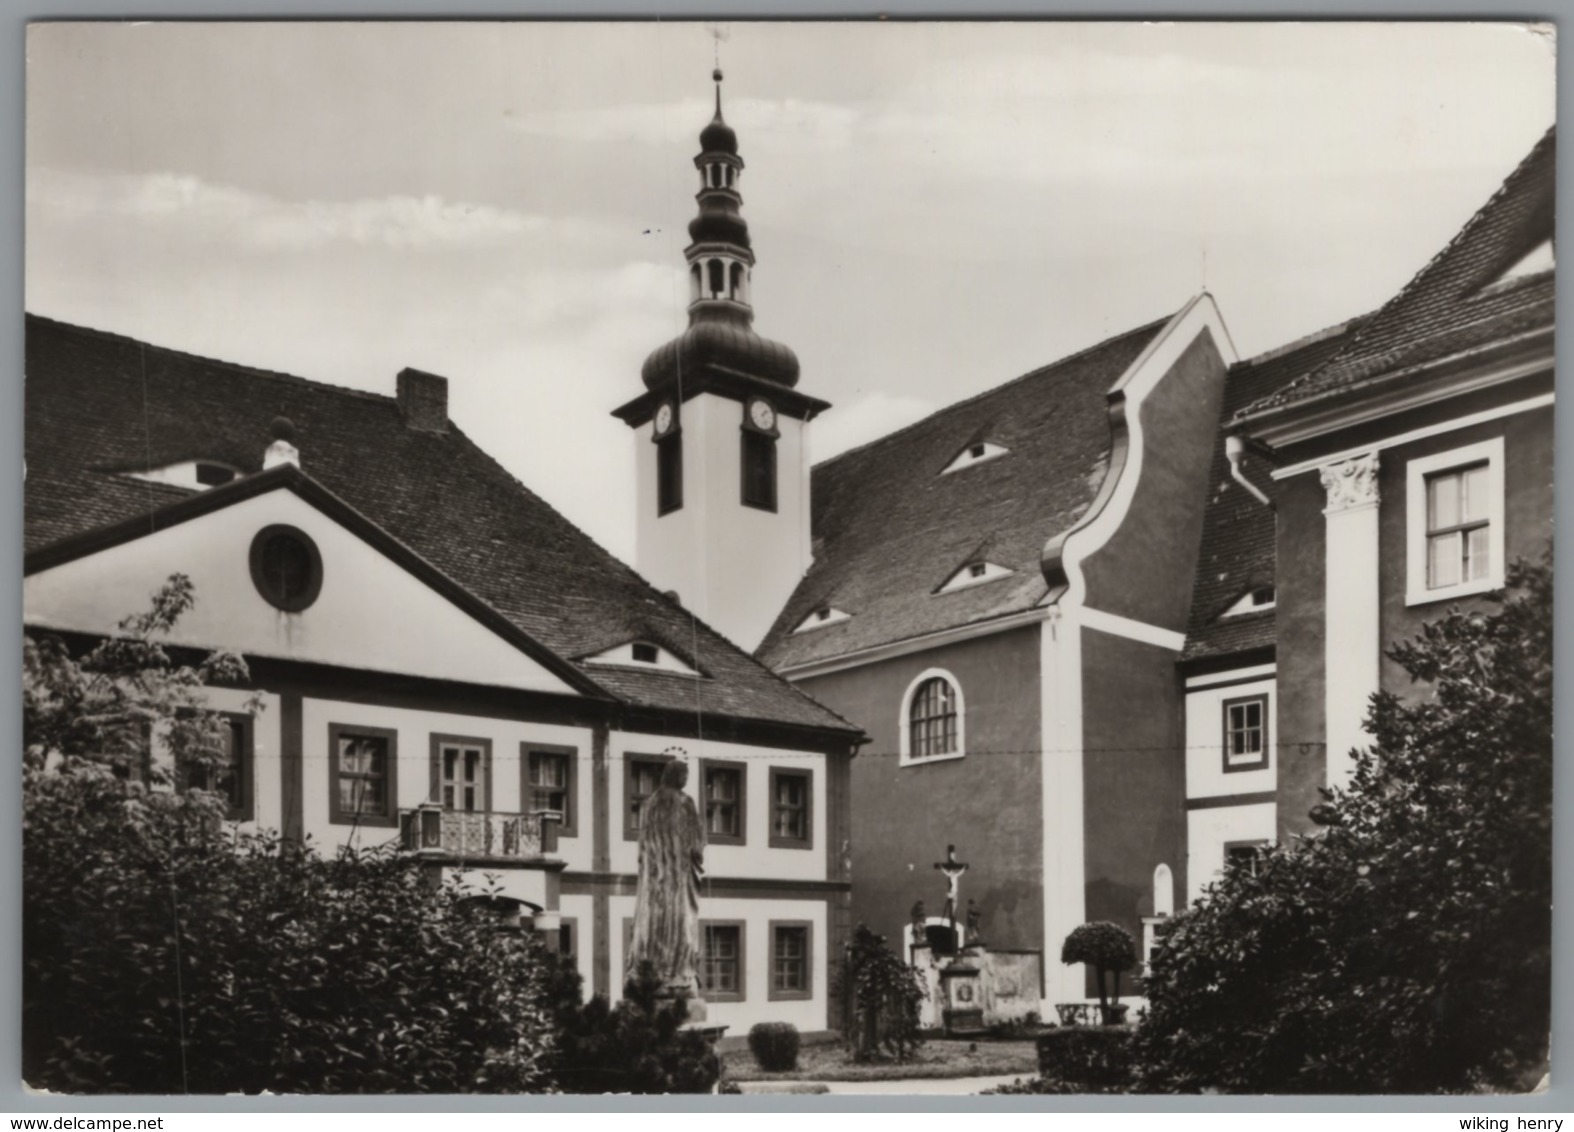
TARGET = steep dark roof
x,y
99,405
1452,305
1237,552
889,529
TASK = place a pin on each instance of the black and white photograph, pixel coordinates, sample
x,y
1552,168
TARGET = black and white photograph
x,y
940,559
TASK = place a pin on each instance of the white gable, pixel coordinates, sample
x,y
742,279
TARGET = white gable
x,y
370,613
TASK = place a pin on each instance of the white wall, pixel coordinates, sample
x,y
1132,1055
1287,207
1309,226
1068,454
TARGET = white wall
x,y
1209,830
415,729
370,614
1205,773
755,858
733,566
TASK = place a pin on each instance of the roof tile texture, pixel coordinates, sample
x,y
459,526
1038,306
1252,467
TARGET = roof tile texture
x,y
890,529
99,405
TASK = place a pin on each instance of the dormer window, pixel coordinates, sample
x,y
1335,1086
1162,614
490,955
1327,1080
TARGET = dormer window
x,y
976,452
194,474
643,654
975,573
825,615
1250,602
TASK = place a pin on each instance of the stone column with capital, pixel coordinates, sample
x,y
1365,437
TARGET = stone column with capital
x,y
1352,644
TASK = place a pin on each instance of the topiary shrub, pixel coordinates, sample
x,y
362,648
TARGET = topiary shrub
x,y
1087,1056
1105,947
774,1046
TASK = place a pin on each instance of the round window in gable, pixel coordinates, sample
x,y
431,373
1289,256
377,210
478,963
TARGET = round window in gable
x,y
286,567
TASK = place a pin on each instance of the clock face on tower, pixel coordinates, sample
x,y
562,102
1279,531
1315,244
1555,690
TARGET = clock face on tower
x,y
762,415
664,418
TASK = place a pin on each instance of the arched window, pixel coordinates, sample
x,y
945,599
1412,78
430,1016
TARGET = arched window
x,y
735,289
694,282
932,719
718,281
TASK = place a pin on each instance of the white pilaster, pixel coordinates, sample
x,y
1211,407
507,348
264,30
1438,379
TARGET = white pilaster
x,y
1065,903
1352,645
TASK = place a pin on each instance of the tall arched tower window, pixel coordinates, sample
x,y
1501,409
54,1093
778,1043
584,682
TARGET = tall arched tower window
x,y
717,281
694,282
735,284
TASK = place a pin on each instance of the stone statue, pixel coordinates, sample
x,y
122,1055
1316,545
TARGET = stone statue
x,y
667,902
973,918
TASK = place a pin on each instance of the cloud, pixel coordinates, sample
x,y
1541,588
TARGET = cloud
x,y
265,222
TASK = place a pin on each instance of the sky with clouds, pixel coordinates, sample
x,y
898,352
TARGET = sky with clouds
x,y
936,208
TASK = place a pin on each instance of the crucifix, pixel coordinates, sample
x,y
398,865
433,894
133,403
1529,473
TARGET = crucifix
x,y
953,870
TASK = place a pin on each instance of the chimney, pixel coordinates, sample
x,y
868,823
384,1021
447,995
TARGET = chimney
x,y
423,399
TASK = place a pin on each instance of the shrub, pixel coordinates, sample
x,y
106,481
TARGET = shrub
x,y
1105,947
1407,946
1045,1087
639,1046
164,955
883,994
1087,1056
774,1046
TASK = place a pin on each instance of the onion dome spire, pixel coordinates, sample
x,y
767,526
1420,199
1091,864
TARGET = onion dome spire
x,y
721,266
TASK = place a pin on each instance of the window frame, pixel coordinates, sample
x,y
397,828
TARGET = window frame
x,y
741,994
568,926
337,816
742,771
1418,474
669,471
905,756
630,760
437,743
1254,843
773,993
762,444
779,841
313,588
568,826
1261,761
245,809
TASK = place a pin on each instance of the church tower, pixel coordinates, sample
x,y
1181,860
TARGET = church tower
x,y
720,430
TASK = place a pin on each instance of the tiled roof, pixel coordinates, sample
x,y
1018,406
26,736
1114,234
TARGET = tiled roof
x,y
1237,552
1452,306
99,405
889,529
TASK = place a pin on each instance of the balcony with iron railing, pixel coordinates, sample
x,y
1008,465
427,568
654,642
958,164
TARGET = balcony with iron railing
x,y
480,836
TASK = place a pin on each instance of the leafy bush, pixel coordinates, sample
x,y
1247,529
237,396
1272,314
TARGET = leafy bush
x,y
1087,1055
638,1046
1407,946
883,995
1046,1087
1105,947
164,955
774,1046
